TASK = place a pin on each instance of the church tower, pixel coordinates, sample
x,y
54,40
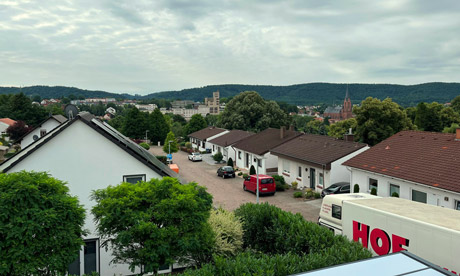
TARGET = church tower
x,y
346,112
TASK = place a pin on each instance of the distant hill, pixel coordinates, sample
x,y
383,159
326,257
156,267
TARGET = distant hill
x,y
328,93
299,94
56,92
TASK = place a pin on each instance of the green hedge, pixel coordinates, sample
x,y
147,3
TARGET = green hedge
x,y
251,263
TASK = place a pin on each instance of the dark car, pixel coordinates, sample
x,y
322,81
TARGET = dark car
x,y
226,171
337,188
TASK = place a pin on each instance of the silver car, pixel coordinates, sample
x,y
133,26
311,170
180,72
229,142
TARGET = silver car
x,y
195,156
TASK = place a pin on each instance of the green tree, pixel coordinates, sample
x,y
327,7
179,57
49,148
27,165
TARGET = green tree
x,y
448,116
118,122
218,157
339,129
212,120
170,146
427,117
154,223
197,122
455,104
377,120
178,129
135,123
41,225
249,111
179,119
316,127
451,129
158,127
54,109
300,122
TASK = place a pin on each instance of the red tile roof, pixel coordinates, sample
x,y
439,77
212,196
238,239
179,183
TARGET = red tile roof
x,y
8,121
264,141
316,149
231,137
427,158
205,133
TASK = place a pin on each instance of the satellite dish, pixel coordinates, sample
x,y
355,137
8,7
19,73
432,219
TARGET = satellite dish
x,y
70,111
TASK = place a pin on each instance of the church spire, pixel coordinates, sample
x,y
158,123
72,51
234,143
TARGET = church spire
x,y
346,95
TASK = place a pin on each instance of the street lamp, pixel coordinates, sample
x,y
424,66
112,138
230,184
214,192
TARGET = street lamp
x,y
146,135
169,146
257,171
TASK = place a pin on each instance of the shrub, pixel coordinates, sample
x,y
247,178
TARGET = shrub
x,y
309,193
163,159
188,145
245,176
230,162
253,263
279,179
374,191
218,157
144,145
281,187
252,170
182,144
316,195
356,188
240,173
395,194
9,154
294,185
228,232
298,194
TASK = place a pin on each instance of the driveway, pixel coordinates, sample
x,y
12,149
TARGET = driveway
x,y
228,193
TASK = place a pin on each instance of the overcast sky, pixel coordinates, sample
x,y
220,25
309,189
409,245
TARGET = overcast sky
x,y
150,46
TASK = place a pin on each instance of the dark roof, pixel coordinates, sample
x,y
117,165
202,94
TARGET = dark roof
x,y
316,149
264,141
231,137
422,157
105,130
205,133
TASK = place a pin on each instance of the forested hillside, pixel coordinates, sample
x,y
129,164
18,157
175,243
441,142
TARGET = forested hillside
x,y
56,92
329,93
300,94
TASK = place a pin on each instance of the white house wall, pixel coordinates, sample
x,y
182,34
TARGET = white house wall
x,y
3,127
434,196
292,174
87,161
267,159
47,125
340,173
208,144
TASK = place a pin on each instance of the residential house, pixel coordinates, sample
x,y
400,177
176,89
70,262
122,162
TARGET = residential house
x,y
39,131
224,142
255,150
415,165
315,161
5,123
199,138
89,154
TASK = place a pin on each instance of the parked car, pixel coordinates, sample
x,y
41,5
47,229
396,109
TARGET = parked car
x,y
195,156
226,171
266,184
337,188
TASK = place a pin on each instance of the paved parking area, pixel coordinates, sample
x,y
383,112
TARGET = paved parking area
x,y
228,193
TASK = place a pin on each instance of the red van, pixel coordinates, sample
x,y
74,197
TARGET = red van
x,y
266,184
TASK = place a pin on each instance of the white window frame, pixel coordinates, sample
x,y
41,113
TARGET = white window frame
x,y
126,177
369,184
399,188
412,198
286,166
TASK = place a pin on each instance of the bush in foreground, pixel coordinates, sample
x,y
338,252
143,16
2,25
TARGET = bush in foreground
x,y
228,233
41,224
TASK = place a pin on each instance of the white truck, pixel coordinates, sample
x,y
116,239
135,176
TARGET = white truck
x,y
388,225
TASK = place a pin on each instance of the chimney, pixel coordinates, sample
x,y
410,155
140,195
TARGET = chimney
x,y
282,132
291,128
457,132
349,137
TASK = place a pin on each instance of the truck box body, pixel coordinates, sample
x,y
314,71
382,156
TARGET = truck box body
x,y
388,225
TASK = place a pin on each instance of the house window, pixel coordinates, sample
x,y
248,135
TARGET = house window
x,y
90,256
457,205
239,155
259,163
286,166
213,148
394,189
336,211
321,179
133,178
373,183
300,172
418,196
